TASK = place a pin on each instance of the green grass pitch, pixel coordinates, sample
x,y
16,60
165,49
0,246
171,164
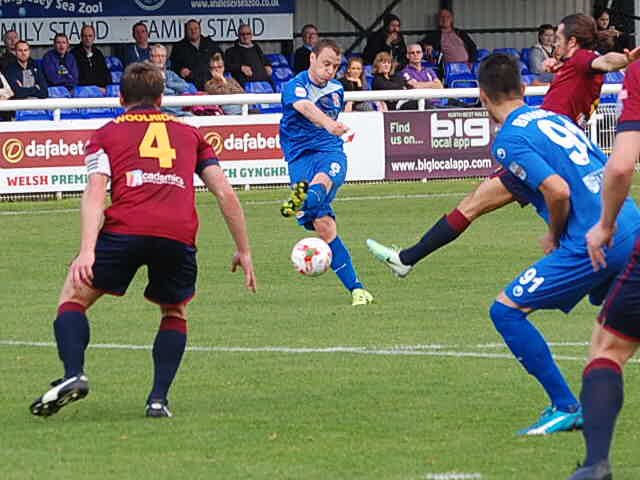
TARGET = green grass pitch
x,y
293,382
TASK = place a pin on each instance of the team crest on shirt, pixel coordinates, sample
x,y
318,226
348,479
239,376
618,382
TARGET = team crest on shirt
x,y
336,100
334,169
501,153
300,92
518,170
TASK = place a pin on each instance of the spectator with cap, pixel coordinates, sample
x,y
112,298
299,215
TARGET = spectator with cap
x,y
191,54
388,39
245,60
60,67
138,51
454,44
24,77
310,37
9,54
92,67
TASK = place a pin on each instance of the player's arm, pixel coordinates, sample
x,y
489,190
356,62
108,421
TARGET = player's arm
x,y
319,118
91,213
614,61
218,184
557,196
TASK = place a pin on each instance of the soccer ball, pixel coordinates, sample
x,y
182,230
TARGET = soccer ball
x,y
311,256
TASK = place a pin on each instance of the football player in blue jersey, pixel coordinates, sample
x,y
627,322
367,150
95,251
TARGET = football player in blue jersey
x,y
557,162
312,140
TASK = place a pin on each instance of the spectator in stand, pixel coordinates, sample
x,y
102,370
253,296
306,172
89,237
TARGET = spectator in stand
x,y
355,81
9,55
454,44
619,41
417,76
385,78
25,78
92,67
191,54
59,64
173,83
139,51
219,85
542,51
245,59
310,37
387,39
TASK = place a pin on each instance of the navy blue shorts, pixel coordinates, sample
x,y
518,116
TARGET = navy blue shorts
x,y
171,266
620,314
516,187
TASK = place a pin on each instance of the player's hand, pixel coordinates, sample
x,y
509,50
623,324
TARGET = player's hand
x,y
268,69
337,128
549,243
81,269
597,238
632,55
243,260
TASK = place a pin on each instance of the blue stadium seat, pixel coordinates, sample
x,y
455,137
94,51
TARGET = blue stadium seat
x,y
262,87
116,76
277,60
457,71
482,54
114,64
509,51
282,74
475,68
431,65
92,91
26,115
611,78
465,83
524,68
67,113
525,56
113,90
528,79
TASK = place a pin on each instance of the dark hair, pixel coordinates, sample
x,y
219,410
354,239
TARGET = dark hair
x,y
388,18
584,29
59,35
142,83
543,28
326,43
499,77
87,25
22,41
136,25
308,25
359,60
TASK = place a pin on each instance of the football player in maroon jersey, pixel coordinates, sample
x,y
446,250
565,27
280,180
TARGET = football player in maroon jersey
x,y
150,160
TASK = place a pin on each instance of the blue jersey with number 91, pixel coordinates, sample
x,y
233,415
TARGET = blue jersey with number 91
x,y
534,144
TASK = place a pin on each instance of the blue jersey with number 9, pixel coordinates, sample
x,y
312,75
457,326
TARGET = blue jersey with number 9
x,y
534,144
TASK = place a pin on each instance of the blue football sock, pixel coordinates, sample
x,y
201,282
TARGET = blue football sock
x,y
168,348
315,196
343,266
602,397
72,333
531,350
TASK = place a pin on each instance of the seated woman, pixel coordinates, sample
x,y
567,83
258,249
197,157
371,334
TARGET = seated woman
x,y
219,85
542,51
385,78
355,81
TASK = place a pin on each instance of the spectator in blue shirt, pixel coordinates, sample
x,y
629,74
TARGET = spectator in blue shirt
x,y
24,76
139,51
60,65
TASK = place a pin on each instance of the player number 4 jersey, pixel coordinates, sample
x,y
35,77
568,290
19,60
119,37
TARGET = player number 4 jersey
x,y
150,159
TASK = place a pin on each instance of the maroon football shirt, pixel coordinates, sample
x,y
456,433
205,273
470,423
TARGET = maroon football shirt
x,y
151,158
629,100
575,90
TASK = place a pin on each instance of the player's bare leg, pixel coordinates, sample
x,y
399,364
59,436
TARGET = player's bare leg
x,y
72,336
530,348
602,397
490,195
168,349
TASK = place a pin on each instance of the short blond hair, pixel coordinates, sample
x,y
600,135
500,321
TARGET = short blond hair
x,y
381,57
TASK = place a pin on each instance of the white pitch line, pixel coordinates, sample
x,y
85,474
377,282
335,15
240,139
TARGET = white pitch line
x,y
392,351
262,202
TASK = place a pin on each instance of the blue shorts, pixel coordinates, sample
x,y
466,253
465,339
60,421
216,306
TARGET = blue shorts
x,y
621,312
564,277
334,164
171,266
